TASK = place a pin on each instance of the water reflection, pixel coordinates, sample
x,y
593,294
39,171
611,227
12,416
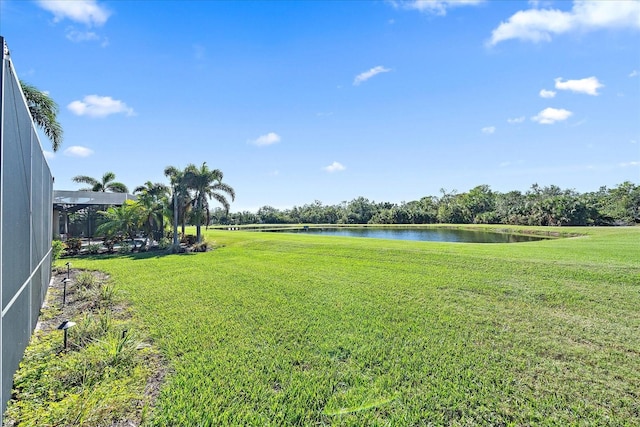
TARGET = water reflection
x,y
421,234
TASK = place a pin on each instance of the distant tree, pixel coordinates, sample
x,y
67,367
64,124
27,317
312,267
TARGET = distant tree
x,y
478,204
510,208
152,198
206,184
426,210
180,198
270,215
450,208
624,203
107,183
44,112
596,205
360,211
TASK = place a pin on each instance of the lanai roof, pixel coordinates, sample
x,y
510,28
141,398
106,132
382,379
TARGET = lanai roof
x,y
71,201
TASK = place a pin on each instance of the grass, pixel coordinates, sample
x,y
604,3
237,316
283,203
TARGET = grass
x,y
293,329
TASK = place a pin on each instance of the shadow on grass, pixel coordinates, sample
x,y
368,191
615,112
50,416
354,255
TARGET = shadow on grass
x,y
133,255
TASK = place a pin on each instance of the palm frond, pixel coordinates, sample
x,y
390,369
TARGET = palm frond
x,y
44,112
84,179
117,187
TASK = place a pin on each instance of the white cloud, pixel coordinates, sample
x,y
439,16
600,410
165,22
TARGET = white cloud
x,y
363,77
78,151
550,115
516,120
88,12
544,93
436,7
49,155
489,130
80,36
334,167
268,139
99,106
628,164
634,73
589,85
538,25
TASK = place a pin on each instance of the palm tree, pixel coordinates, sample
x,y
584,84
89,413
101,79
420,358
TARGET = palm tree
x,y
180,198
156,190
206,183
151,196
44,112
106,184
122,221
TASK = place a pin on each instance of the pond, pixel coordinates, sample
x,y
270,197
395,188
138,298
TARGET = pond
x,y
421,234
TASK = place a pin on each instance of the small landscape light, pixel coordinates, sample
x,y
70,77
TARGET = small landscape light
x,y
68,264
64,326
64,291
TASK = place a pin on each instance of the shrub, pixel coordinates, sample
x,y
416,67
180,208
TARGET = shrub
x,y
86,280
164,243
200,247
89,329
74,245
189,239
58,248
94,248
110,241
121,350
125,248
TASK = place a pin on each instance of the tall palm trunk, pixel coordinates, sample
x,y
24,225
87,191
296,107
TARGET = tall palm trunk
x,y
199,219
175,218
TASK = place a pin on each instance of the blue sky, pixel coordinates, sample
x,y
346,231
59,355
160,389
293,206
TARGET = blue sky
x,y
300,101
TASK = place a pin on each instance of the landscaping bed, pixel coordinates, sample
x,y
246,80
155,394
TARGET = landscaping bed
x,y
109,374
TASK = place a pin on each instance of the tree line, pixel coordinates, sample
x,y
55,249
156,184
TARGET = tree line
x,y
540,206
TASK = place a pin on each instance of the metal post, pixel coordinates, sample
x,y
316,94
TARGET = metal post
x,y
64,326
64,291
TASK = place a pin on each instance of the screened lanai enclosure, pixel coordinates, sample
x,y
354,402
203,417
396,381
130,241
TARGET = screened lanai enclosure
x,y
26,192
75,213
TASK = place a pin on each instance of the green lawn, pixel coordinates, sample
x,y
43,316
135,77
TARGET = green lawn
x,y
295,329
